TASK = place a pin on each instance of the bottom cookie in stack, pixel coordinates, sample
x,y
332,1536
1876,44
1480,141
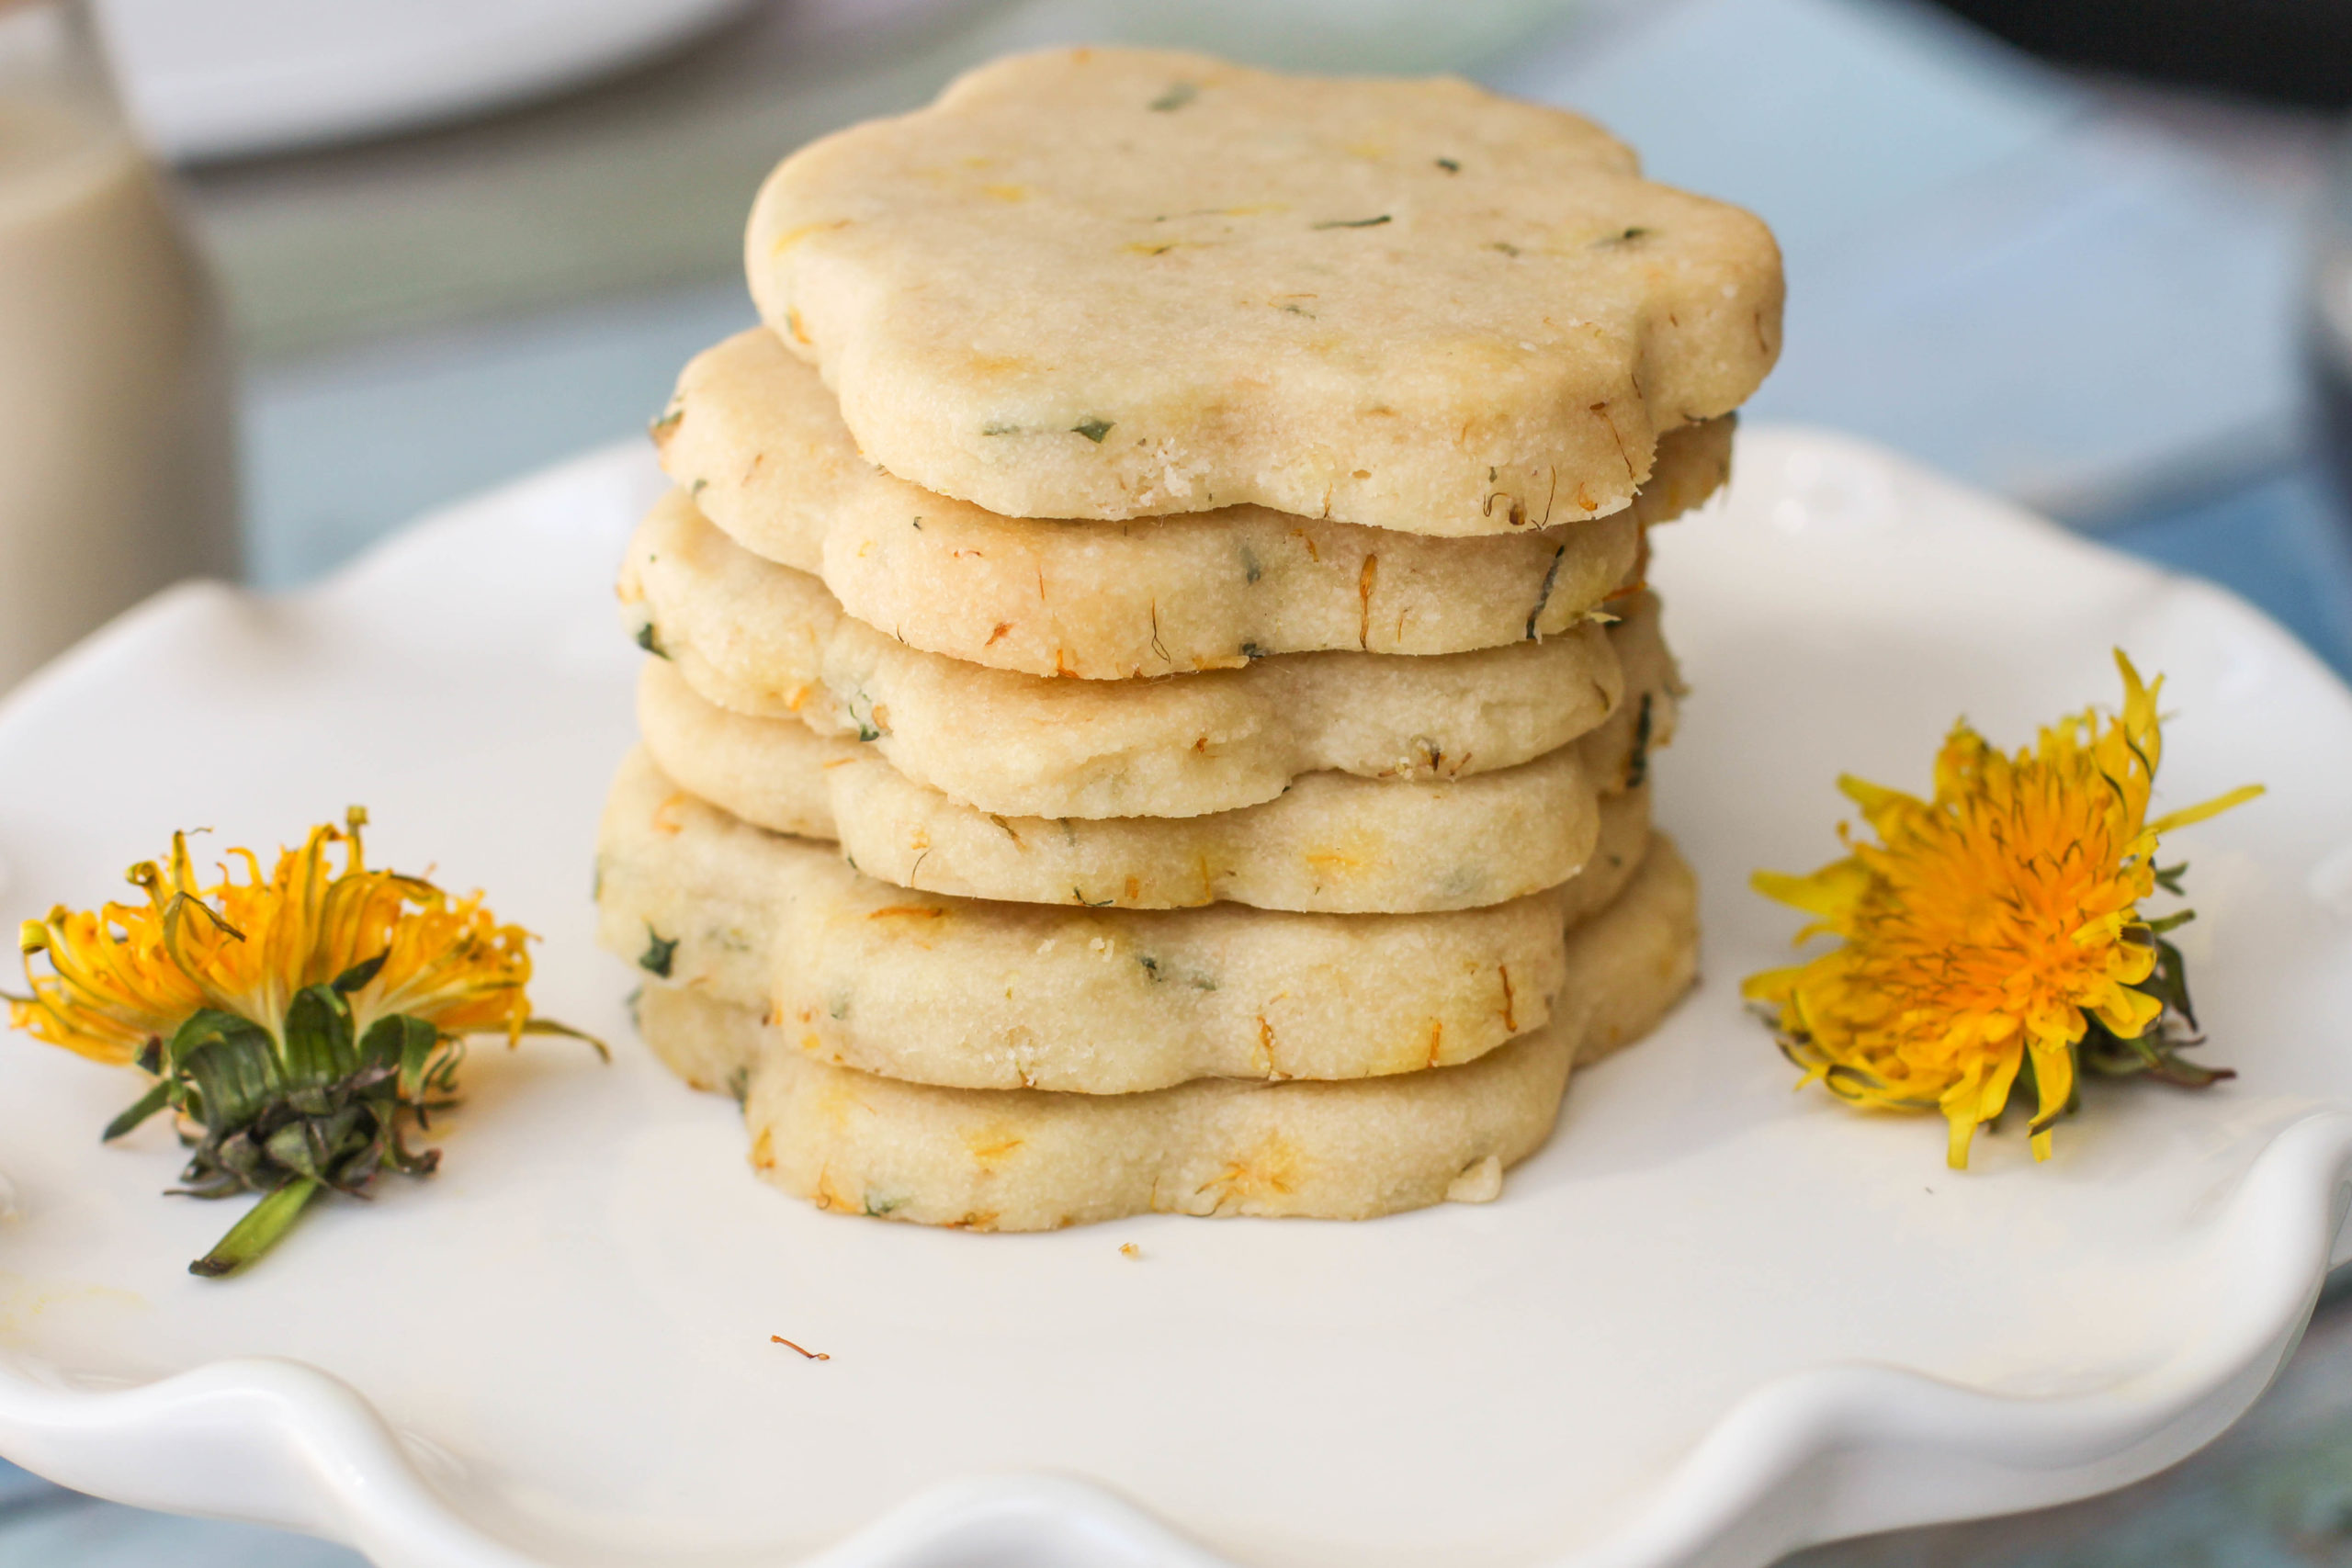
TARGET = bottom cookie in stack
x,y
1036,1159
962,1062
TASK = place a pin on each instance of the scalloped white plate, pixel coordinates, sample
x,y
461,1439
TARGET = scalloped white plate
x,y
1712,1321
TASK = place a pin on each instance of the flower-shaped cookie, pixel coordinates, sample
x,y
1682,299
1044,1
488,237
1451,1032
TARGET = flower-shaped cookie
x,y
1122,283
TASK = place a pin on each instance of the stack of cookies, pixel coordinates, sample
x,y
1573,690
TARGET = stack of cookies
x,y
1152,684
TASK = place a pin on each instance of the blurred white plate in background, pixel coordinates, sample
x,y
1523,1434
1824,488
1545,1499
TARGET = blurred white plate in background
x,y
225,78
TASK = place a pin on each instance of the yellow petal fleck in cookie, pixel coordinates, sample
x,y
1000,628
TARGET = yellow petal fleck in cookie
x,y
757,442
1112,283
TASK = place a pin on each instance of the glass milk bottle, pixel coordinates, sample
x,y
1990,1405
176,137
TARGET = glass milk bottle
x,y
117,424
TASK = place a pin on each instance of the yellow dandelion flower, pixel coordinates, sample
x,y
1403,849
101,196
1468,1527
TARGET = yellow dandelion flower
x,y
298,1023
1995,931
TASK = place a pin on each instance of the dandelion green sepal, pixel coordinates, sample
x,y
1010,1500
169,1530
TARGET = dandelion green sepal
x,y
158,1094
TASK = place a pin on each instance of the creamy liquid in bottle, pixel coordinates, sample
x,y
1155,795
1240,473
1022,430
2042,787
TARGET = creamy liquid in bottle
x,y
117,424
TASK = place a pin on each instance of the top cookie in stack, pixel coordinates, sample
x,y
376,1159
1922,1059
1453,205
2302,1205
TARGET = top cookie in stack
x,y
1113,284
1181,532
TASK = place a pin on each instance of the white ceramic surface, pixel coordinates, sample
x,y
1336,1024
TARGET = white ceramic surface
x,y
226,78
1712,1321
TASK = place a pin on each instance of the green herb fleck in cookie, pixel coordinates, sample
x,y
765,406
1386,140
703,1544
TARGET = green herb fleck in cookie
x,y
1637,767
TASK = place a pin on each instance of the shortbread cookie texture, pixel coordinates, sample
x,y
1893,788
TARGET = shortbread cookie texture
x,y
763,640
972,993
1029,1160
1332,843
758,443
1114,283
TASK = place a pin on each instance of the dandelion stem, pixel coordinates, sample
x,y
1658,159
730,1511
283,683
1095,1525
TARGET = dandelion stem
x,y
259,1231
